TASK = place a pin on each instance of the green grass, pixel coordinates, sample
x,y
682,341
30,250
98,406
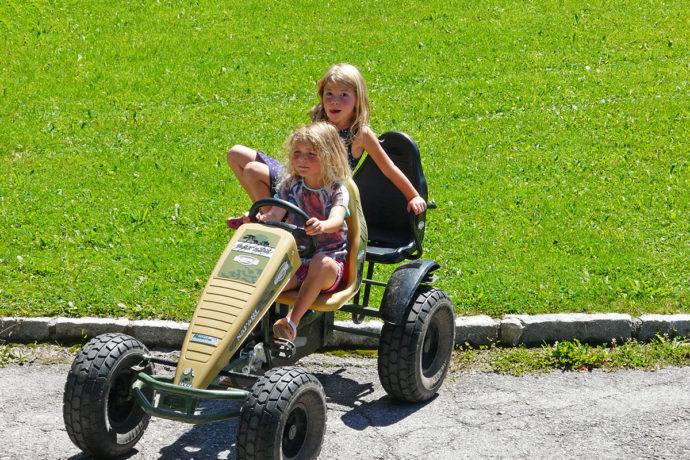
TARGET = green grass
x,y
660,352
553,134
8,355
573,356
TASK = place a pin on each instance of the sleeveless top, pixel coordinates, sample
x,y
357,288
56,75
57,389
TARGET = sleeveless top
x,y
347,140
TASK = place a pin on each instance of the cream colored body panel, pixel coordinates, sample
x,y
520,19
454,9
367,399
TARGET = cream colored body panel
x,y
253,269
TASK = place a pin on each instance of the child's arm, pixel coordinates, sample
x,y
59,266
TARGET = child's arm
x,y
415,203
330,225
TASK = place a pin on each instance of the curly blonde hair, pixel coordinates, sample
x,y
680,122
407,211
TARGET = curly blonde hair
x,y
349,76
329,148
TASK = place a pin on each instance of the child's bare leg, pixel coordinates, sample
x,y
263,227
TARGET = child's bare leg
x,y
323,271
292,284
252,173
284,328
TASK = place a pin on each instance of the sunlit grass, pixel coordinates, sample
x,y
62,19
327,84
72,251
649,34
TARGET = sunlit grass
x,y
575,356
553,136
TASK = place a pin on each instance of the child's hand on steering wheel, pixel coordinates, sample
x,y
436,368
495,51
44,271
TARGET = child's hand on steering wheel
x,y
314,227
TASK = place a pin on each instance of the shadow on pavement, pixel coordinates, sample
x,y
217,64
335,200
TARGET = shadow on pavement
x,y
347,392
208,440
217,439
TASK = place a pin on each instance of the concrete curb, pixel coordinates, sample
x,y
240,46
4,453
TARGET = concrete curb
x,y
594,328
474,331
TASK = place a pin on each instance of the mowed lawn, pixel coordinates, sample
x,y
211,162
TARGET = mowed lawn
x,y
554,137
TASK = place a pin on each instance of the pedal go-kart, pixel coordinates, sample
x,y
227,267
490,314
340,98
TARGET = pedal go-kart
x,y
112,390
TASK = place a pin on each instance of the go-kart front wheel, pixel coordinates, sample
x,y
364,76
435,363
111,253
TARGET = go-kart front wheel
x,y
284,417
101,416
414,356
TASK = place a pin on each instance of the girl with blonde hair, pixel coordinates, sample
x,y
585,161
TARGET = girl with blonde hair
x,y
344,103
316,168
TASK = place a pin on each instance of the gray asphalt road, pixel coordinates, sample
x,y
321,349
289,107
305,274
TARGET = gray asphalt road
x,y
626,414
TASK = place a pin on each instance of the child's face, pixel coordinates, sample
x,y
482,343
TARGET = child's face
x,y
339,101
306,162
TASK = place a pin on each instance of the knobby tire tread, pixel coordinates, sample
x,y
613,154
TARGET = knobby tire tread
x,y
85,386
398,346
264,406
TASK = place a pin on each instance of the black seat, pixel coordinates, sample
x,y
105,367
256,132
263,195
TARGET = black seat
x,y
394,233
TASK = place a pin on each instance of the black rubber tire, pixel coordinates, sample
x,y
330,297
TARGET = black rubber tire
x,y
414,356
284,417
101,416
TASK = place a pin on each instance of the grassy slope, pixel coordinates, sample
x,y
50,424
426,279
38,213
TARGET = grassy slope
x,y
554,138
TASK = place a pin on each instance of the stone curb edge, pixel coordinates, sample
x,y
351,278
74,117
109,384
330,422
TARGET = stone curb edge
x,y
476,331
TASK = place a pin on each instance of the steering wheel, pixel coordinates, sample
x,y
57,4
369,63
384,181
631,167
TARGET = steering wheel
x,y
295,230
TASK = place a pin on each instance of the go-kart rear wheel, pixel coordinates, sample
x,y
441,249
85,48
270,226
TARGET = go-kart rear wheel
x,y
101,416
414,356
284,417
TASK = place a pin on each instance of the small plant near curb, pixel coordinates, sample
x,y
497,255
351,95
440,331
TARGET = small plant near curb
x,y
662,351
574,355
11,355
35,353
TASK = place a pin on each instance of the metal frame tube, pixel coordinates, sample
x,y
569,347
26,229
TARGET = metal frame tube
x,y
158,383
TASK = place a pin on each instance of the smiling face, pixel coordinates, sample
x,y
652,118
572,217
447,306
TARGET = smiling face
x,y
339,102
307,164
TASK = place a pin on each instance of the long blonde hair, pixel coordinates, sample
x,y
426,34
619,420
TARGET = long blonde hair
x,y
349,76
329,148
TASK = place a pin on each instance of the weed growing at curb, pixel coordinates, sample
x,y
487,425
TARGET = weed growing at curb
x,y
349,353
10,355
36,353
661,352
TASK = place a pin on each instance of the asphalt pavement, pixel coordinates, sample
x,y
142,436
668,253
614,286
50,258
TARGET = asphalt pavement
x,y
623,414
583,415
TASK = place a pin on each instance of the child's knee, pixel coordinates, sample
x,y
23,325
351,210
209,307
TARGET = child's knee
x,y
232,153
321,262
238,155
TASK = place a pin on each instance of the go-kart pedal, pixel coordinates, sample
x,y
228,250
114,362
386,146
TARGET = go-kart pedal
x,y
282,348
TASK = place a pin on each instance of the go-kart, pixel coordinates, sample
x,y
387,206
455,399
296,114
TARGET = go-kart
x,y
230,353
